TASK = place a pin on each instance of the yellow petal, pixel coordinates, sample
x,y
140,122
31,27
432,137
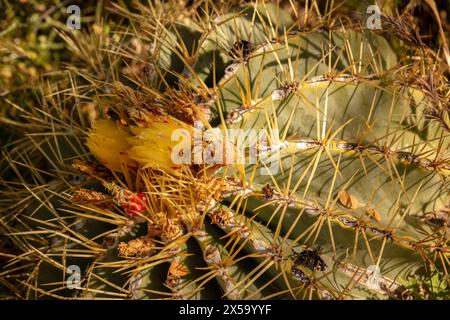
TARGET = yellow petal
x,y
108,143
152,146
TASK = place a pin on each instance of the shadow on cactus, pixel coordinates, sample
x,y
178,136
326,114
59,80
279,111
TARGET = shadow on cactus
x,y
233,154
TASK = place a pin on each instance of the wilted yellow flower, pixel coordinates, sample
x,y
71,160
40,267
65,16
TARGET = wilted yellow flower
x,y
108,143
158,146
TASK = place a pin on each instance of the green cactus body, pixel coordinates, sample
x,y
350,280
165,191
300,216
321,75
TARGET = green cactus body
x,y
357,201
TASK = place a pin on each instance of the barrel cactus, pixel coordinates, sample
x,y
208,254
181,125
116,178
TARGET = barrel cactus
x,y
234,153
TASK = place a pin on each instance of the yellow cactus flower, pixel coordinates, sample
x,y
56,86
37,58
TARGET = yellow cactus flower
x,y
108,143
162,143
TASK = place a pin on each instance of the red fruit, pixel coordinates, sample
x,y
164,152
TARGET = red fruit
x,y
141,196
135,204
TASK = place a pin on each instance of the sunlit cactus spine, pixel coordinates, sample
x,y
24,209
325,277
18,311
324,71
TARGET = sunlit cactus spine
x,y
347,198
